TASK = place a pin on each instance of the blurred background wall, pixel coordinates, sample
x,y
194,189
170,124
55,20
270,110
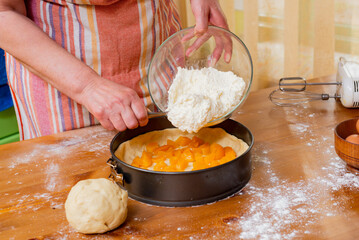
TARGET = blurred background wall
x,y
291,37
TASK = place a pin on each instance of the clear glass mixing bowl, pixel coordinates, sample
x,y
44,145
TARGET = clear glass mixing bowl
x,y
185,50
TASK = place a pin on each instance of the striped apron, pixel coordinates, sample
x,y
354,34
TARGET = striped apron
x,y
116,38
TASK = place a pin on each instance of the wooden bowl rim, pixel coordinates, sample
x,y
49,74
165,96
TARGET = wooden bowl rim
x,y
345,121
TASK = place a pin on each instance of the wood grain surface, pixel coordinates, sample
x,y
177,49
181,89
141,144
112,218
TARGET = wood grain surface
x,y
300,188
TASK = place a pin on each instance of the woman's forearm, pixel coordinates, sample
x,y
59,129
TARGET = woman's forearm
x,y
113,104
20,37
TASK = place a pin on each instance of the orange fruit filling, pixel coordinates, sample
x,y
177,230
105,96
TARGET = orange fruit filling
x,y
179,154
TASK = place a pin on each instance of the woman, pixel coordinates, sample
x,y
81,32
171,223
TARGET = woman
x,y
75,62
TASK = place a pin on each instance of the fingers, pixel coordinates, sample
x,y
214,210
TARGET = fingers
x,y
223,43
228,47
209,12
197,43
217,18
123,114
106,123
124,119
129,115
117,122
217,52
114,105
214,58
140,112
188,36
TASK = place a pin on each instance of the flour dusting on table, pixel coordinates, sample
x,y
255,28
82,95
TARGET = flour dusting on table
x,y
274,210
271,209
89,142
96,142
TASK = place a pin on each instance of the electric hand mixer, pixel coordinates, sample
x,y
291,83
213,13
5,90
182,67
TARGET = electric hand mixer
x,y
292,91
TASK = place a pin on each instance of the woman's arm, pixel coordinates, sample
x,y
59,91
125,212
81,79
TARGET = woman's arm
x,y
114,105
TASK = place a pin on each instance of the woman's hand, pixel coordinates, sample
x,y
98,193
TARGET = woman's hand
x,y
207,12
114,105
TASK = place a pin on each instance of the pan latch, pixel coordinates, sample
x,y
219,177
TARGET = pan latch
x,y
114,176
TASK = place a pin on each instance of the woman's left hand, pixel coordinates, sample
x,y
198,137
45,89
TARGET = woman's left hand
x,y
207,12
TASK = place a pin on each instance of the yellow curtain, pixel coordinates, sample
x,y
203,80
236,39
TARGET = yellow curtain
x,y
291,37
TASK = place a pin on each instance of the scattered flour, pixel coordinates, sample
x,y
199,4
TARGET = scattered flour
x,y
52,178
299,127
30,202
197,97
89,143
96,142
273,211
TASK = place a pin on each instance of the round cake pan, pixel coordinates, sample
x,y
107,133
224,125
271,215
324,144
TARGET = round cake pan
x,y
183,188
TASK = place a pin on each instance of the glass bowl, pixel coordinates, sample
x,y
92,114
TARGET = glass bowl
x,y
217,48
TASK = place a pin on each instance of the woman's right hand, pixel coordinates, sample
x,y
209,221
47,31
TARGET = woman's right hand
x,y
114,105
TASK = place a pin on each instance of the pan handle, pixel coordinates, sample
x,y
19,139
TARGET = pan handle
x,y
155,114
114,175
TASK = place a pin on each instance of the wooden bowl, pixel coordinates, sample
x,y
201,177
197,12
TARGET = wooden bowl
x,y
347,151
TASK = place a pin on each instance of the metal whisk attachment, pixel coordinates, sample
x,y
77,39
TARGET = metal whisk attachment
x,y
292,91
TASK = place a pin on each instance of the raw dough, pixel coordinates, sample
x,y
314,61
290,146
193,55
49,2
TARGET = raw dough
x,y
96,206
128,150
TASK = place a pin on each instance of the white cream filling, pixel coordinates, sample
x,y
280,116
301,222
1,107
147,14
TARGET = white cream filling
x,y
197,97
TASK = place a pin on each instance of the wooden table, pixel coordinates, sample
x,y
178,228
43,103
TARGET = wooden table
x,y
299,187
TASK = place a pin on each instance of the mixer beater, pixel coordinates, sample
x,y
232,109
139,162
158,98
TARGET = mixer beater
x,y
292,91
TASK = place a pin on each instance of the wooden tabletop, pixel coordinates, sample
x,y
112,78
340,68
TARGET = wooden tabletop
x,y
299,187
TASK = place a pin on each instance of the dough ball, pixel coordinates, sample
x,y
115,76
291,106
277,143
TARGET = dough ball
x,y
96,206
